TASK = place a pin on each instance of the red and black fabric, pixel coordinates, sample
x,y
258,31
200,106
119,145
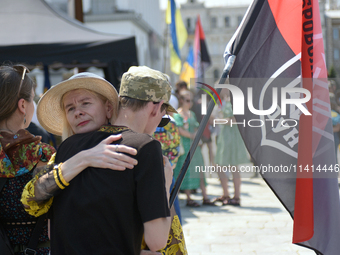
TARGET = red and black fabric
x,y
201,56
277,44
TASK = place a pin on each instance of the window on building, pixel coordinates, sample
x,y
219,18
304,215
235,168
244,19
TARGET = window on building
x,y
336,54
227,21
189,28
213,22
239,19
335,34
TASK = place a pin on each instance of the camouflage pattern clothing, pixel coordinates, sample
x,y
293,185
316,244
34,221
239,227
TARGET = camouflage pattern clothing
x,y
144,83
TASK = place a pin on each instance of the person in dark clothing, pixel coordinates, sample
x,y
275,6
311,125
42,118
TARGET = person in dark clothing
x,y
118,204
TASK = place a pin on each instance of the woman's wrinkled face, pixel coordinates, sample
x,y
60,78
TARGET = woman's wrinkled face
x,y
85,111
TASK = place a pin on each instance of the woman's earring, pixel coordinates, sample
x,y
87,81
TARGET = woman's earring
x,y
25,118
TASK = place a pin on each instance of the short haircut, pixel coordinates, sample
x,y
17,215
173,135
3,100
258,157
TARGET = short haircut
x,y
136,104
132,103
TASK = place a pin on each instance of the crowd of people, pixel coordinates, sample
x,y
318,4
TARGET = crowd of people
x,y
229,147
106,188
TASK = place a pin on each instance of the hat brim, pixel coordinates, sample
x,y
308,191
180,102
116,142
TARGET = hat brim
x,y
170,108
49,111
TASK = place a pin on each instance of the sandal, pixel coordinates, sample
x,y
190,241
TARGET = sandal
x,y
234,202
223,199
208,202
192,203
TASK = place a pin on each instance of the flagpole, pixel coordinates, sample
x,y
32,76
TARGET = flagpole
x,y
165,47
199,133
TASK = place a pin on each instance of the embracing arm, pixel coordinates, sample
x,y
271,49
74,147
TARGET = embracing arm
x,y
38,194
104,155
156,232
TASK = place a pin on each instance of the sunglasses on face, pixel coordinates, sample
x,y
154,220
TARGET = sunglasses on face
x,y
164,121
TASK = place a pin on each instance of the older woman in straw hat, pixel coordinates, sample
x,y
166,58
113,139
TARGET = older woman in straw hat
x,y
82,104
94,102
21,153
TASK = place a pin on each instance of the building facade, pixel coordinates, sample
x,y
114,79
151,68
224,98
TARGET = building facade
x,y
219,25
332,41
141,19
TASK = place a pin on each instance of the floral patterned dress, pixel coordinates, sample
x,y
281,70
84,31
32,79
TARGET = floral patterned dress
x,y
19,155
170,140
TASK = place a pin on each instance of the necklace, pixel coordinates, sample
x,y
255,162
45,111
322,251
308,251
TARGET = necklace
x,y
7,130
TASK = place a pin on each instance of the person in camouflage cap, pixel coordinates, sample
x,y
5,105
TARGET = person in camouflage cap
x,y
146,84
144,99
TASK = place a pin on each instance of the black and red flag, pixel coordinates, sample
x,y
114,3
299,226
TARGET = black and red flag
x,y
278,48
201,55
279,45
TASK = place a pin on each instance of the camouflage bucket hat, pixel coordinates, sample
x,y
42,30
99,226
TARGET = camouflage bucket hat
x,y
144,83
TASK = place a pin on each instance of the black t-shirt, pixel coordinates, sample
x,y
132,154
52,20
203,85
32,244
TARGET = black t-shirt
x,y
102,211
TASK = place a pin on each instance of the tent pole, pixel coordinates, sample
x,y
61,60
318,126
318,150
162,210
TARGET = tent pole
x,y
78,6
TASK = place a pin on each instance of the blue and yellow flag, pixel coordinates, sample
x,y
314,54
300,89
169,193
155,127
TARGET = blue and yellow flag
x,y
188,70
178,35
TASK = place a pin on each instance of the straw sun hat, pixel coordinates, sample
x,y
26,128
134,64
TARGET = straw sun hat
x,y
49,111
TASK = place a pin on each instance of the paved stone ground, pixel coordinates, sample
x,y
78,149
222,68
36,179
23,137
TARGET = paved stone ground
x,y
260,226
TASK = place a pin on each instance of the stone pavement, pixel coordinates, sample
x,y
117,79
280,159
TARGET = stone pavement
x,y
260,226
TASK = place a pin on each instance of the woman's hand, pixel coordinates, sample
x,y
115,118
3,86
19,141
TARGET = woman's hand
x,y
104,155
107,155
